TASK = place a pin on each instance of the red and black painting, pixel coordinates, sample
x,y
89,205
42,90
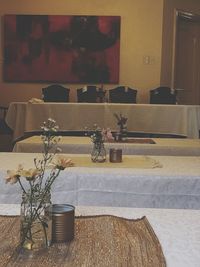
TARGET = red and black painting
x,y
59,48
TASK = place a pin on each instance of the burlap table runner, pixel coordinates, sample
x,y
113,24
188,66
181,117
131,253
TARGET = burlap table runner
x,y
143,162
134,141
100,241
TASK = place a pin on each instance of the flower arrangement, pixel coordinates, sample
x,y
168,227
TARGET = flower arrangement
x,y
36,188
98,137
121,122
101,94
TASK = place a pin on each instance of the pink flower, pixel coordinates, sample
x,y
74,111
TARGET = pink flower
x,y
107,134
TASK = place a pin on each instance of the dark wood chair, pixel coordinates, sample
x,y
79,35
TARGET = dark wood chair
x,y
6,144
4,129
163,95
122,94
55,93
88,94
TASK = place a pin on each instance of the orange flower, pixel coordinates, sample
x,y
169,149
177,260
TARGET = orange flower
x,y
62,162
13,175
30,174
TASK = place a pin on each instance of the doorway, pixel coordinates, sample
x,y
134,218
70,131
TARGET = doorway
x,y
187,58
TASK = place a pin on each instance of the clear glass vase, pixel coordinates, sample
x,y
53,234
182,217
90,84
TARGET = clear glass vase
x,y
36,221
98,153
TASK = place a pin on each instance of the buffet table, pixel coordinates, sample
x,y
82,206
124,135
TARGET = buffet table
x,y
178,231
181,120
139,181
133,146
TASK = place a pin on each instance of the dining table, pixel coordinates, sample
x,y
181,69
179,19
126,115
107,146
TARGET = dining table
x,y
142,181
177,230
181,120
129,146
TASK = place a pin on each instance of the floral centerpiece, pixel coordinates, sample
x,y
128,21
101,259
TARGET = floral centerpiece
x,y
101,95
98,137
122,124
36,182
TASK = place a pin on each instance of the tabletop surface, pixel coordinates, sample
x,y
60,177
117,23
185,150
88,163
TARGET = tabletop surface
x,y
177,230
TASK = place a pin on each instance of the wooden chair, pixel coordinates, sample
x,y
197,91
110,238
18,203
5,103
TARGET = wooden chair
x,y
122,94
55,93
88,94
4,129
163,95
6,144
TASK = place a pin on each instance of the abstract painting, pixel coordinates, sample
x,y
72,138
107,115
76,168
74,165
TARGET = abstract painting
x,y
59,48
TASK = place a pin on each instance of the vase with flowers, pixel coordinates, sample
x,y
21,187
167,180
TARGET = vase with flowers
x,y
36,221
98,137
121,134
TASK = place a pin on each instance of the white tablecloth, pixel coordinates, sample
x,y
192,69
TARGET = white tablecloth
x,y
83,145
169,119
175,185
177,230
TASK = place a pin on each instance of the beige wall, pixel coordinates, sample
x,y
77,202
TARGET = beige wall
x,y
169,18
141,35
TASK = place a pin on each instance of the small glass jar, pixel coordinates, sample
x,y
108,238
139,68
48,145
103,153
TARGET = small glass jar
x,y
36,221
98,153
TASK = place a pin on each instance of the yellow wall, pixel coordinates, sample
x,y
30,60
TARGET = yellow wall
x,y
141,35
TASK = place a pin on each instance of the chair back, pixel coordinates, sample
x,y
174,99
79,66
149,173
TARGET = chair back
x,y
4,129
163,95
55,93
122,94
87,94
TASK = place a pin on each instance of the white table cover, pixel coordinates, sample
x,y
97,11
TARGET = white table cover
x,y
83,145
175,185
170,119
177,230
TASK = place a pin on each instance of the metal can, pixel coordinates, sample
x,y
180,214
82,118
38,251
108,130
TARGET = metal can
x,y
62,222
115,155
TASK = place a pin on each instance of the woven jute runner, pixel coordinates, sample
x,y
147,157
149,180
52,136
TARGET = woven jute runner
x,y
134,141
141,162
100,241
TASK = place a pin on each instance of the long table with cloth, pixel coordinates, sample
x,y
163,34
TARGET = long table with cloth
x,y
182,120
132,146
177,233
139,181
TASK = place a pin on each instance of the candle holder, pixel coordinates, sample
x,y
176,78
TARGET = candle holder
x,y
115,155
62,222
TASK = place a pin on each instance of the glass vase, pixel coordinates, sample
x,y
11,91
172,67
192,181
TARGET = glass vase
x,y
36,221
98,153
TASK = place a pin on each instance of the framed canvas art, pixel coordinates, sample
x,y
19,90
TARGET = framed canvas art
x,y
59,48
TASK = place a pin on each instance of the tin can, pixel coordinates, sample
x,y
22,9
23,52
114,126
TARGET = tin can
x,y
115,155
62,222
